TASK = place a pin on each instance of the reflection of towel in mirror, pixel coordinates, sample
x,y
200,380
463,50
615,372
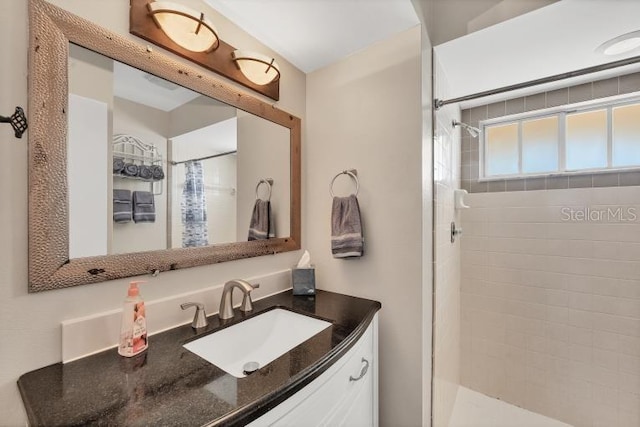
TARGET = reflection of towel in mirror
x,y
145,172
260,219
272,223
157,172
130,169
121,206
144,209
118,165
346,228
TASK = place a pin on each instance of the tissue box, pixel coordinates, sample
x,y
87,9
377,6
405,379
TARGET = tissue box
x,y
304,281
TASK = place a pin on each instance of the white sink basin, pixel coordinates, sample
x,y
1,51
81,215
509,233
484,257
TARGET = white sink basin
x,y
261,339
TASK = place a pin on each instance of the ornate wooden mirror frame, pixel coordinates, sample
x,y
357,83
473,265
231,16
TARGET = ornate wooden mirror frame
x,y
51,31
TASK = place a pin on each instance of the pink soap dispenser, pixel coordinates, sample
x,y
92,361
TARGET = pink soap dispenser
x,y
133,332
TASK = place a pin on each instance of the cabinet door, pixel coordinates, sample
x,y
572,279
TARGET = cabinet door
x,y
356,408
333,399
360,414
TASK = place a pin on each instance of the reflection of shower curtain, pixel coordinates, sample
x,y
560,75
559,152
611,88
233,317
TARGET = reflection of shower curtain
x,y
194,207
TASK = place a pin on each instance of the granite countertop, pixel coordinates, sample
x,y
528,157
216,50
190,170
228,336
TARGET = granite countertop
x,y
169,385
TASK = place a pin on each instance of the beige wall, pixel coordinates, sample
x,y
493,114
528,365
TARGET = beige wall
x,y
151,126
446,328
263,152
30,324
551,306
364,112
91,76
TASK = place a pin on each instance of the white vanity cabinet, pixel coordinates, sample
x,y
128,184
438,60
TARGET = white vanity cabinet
x,y
344,395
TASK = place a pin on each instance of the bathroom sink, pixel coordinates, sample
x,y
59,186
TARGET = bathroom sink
x,y
260,339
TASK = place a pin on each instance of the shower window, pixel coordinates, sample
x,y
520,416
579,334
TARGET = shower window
x,y
587,140
502,150
540,145
626,135
581,138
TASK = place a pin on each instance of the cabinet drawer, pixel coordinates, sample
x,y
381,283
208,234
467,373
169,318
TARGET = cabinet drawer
x,y
325,400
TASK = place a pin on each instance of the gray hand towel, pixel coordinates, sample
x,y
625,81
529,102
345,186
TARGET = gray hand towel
x,y
157,172
121,206
145,172
272,224
346,228
259,225
130,169
144,209
118,165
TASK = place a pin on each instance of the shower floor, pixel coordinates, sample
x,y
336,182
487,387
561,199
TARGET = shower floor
x,y
473,409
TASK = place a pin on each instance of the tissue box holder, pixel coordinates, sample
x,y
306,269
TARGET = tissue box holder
x,y
304,281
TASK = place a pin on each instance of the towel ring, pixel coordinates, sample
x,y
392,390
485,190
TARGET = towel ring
x,y
353,173
268,182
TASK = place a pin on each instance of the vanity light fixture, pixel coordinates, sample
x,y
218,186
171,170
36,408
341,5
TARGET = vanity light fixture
x,y
621,44
258,68
189,34
185,26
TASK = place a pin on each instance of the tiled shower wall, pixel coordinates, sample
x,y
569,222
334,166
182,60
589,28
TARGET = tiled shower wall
x,y
446,328
550,298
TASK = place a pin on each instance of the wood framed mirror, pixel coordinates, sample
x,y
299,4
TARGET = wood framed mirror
x,y
52,30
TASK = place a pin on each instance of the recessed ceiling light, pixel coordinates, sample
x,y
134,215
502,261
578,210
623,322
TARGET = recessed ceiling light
x,y
621,44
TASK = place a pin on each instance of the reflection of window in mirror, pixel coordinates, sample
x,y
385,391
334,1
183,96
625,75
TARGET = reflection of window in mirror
x,y
211,156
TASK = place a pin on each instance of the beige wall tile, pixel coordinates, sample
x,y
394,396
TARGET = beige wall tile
x,y
567,294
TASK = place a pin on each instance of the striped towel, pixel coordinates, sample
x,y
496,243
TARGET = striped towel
x,y
144,208
346,228
122,211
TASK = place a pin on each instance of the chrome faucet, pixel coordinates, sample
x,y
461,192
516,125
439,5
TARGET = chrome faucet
x,y
226,304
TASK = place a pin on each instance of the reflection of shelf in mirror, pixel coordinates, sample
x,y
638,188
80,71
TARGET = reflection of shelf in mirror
x,y
150,181
119,175
148,160
133,150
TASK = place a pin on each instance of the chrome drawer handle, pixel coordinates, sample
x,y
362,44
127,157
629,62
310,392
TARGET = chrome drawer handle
x,y
363,372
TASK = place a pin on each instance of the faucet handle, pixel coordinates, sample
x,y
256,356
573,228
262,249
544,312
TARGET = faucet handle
x,y
247,304
200,317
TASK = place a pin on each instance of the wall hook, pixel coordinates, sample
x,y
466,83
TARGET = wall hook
x,y
18,122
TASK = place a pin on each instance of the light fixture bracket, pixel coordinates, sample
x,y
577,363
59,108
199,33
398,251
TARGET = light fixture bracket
x,y
220,60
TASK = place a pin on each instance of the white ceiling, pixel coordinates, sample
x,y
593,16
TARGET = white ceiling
x,y
217,138
138,86
314,33
552,40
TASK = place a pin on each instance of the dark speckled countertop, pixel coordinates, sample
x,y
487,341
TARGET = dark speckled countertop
x,y
168,385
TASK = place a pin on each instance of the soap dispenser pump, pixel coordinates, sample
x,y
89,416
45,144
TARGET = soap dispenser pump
x,y
133,330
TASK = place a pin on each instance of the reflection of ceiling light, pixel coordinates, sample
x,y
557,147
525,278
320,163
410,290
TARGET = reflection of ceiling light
x,y
165,84
258,68
621,44
185,26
